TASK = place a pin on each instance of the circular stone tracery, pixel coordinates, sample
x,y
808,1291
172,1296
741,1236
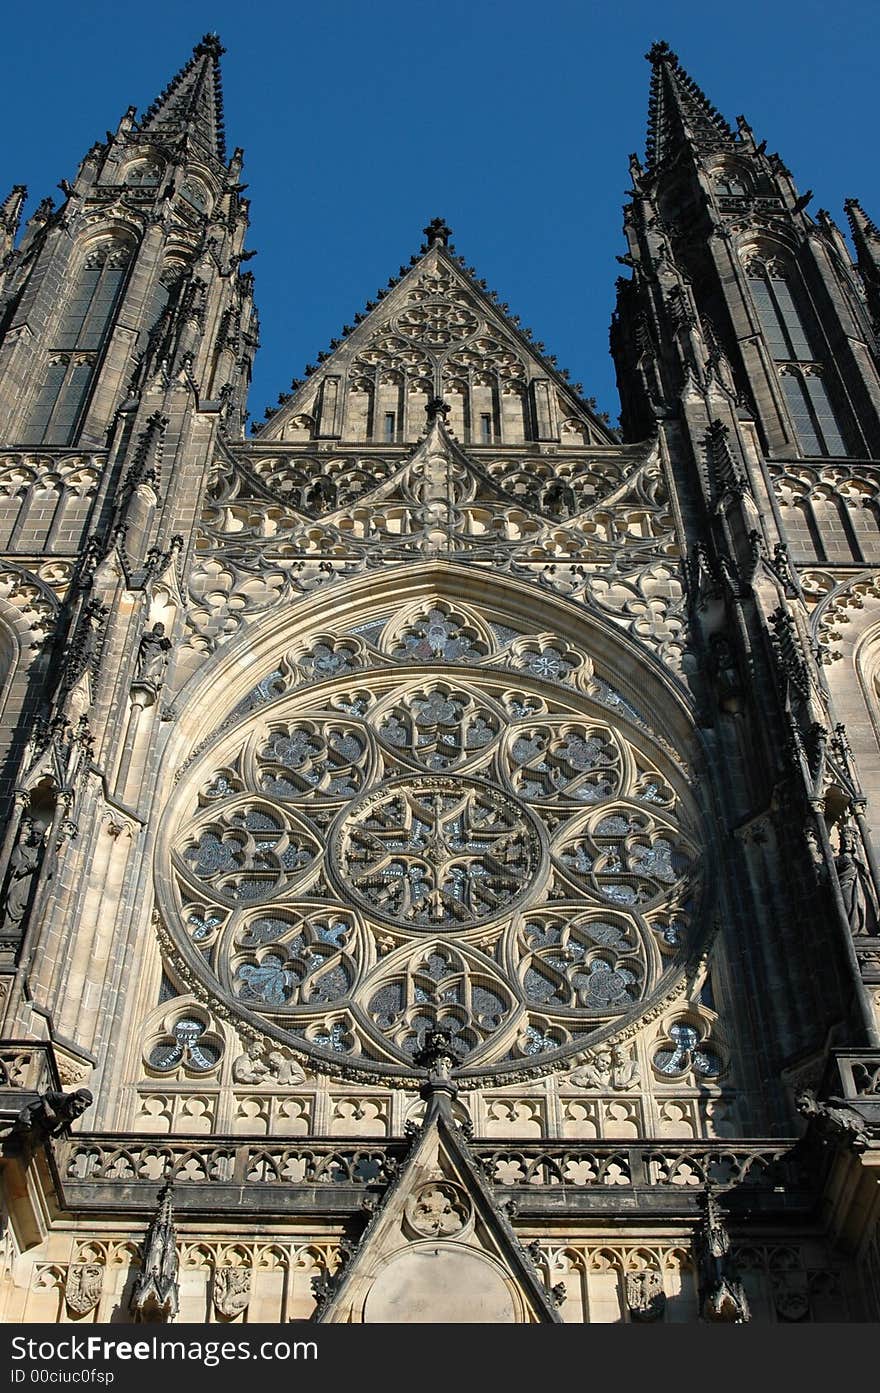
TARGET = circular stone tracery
x,y
387,852
438,853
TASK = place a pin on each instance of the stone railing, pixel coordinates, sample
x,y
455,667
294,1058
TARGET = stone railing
x,y
328,1176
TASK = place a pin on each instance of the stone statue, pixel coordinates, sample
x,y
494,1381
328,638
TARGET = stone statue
x,y
625,1069
855,886
255,1066
559,498
47,1116
152,656
284,1070
23,866
596,1072
724,670
250,1067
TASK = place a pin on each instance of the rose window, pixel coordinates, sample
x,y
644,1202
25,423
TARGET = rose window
x,y
385,851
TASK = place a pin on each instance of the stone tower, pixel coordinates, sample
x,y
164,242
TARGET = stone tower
x,y
438,828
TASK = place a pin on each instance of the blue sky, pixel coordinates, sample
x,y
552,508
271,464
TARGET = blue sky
x,y
361,121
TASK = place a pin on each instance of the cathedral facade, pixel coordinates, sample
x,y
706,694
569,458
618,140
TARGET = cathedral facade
x,y
438,876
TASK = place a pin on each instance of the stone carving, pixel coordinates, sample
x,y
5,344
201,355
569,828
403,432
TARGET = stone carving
x,y
70,1071
24,863
152,658
46,1117
645,1297
231,1291
257,1065
835,1123
82,1290
559,498
855,886
616,1068
437,1209
791,1296
156,1294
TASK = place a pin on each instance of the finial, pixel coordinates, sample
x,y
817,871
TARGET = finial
x,y
438,231
211,45
435,408
660,52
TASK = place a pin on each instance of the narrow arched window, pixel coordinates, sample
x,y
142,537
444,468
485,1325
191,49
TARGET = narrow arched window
x,y
782,321
793,340
194,194
730,185
812,414
143,176
80,338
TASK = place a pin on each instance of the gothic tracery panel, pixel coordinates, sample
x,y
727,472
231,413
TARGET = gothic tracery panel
x,y
352,866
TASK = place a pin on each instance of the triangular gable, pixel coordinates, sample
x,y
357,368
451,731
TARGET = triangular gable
x,y
438,1249
436,332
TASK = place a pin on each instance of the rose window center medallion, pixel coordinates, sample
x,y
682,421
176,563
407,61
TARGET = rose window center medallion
x,y
438,853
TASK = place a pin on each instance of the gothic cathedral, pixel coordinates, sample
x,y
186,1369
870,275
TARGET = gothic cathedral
x,y
437,869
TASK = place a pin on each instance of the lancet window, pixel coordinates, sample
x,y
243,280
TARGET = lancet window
x,y
80,338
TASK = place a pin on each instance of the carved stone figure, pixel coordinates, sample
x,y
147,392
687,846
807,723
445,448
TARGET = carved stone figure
x,y
152,658
559,498
645,1297
835,1125
23,866
255,1066
855,886
791,1297
626,1070
250,1067
726,674
47,1116
231,1291
596,1072
82,1290
155,1296
284,1070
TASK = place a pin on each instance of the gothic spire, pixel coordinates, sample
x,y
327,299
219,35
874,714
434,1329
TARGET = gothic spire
x,y
192,103
679,112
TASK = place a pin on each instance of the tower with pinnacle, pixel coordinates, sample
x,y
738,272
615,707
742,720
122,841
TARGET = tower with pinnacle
x,y
438,828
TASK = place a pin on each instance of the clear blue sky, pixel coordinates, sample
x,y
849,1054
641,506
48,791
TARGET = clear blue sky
x,y
363,119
